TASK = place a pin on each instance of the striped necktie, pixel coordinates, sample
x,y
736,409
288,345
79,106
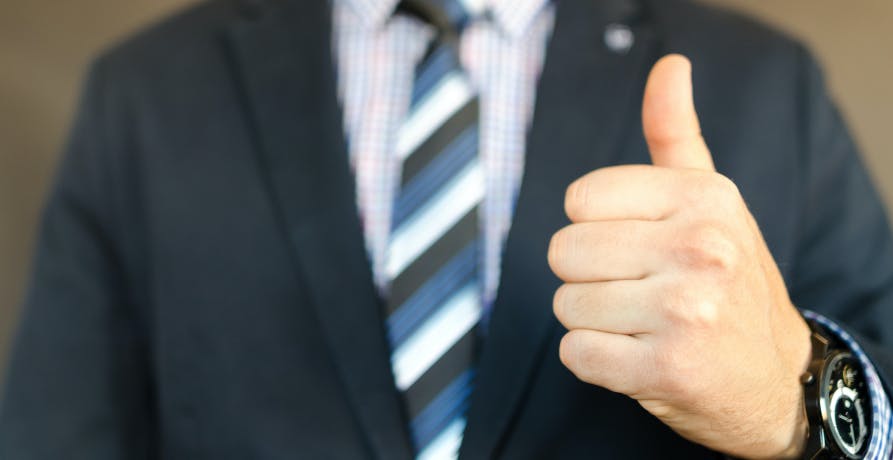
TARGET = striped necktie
x,y
434,300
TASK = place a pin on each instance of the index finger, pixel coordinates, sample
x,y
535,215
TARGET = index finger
x,y
641,192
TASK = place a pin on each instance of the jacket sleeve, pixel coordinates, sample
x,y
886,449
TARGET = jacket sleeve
x,y
844,262
77,383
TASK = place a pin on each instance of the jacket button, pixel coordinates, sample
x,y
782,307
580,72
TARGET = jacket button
x,y
619,38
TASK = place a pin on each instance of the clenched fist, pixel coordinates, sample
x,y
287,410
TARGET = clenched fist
x,y
671,295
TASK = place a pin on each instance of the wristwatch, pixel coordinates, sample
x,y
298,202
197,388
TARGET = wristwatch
x,y
838,405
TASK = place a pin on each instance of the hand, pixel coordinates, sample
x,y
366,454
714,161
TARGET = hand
x,y
671,295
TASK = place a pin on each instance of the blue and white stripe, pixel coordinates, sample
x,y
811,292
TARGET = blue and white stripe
x,y
435,198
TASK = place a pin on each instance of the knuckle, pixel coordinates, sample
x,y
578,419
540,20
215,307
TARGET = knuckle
x,y
724,188
674,373
567,350
709,246
661,410
690,312
561,249
710,190
556,252
575,199
701,315
560,303
570,305
577,356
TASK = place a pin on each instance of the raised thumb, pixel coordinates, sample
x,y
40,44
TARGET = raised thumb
x,y
669,119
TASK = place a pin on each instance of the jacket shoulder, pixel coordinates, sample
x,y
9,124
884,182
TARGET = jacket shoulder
x,y
176,33
724,35
182,43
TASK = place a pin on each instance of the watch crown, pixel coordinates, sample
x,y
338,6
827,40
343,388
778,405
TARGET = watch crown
x,y
806,378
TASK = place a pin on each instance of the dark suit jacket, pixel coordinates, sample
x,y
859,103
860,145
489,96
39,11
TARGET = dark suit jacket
x,y
201,289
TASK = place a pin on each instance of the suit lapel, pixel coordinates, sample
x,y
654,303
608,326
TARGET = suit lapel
x,y
284,66
583,113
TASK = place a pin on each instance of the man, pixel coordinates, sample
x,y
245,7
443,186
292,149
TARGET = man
x,y
301,229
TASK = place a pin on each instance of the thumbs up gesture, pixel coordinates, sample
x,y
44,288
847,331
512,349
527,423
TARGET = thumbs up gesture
x,y
671,295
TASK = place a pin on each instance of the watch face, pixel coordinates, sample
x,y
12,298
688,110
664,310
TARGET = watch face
x,y
845,395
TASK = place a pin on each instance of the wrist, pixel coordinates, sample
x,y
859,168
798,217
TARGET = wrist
x,y
797,445
789,438
799,353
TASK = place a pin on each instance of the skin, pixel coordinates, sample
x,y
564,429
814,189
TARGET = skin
x,y
671,296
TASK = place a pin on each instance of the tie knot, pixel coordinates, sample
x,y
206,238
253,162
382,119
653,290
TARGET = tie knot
x,y
448,16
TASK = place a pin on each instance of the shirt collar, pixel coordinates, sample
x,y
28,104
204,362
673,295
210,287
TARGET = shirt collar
x,y
512,16
515,16
372,14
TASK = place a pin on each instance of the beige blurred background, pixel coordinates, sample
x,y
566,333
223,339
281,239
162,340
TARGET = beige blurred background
x,y
45,45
